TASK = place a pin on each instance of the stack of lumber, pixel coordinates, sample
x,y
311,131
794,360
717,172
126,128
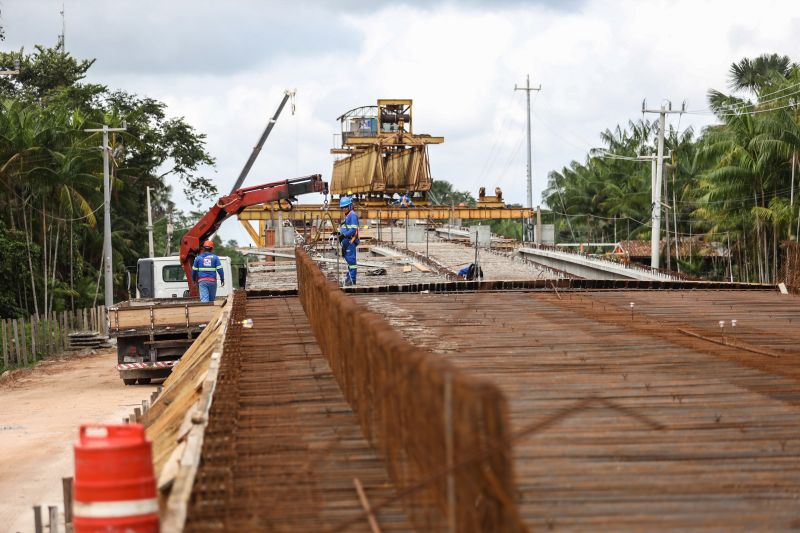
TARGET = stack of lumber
x,y
183,403
87,340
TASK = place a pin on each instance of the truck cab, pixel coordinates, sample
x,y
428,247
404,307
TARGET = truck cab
x,y
163,277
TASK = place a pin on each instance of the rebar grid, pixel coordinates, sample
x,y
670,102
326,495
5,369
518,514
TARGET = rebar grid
x,y
420,412
727,454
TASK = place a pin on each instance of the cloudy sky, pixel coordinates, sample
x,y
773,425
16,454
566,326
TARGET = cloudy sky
x,y
224,65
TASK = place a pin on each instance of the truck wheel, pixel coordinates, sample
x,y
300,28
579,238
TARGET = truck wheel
x,y
144,381
127,381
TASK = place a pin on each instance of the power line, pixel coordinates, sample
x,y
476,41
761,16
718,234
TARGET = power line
x,y
498,138
748,103
762,102
742,113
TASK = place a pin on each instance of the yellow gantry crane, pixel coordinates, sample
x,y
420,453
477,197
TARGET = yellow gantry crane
x,y
378,156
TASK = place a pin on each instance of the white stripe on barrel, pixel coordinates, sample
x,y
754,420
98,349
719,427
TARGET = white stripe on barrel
x,y
115,509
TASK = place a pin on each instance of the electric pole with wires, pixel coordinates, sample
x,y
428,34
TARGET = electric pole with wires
x,y
528,90
108,271
655,194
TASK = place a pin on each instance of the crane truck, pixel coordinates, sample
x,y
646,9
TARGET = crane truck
x,y
154,330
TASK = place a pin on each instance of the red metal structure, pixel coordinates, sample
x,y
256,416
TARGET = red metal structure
x,y
233,204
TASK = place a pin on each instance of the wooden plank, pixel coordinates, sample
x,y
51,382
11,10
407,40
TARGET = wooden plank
x,y
169,420
5,343
38,526
56,336
63,331
24,341
56,333
66,485
46,336
15,342
50,339
33,337
103,321
421,267
40,338
85,319
130,318
52,510
174,515
406,268
43,338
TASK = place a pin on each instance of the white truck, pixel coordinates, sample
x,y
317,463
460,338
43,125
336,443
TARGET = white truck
x,y
164,277
155,329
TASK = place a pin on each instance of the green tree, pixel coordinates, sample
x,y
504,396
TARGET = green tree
x,y
443,193
51,175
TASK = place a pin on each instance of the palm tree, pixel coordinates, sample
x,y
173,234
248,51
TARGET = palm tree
x,y
753,74
748,156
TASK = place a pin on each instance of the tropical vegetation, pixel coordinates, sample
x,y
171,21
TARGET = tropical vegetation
x,y
51,180
732,183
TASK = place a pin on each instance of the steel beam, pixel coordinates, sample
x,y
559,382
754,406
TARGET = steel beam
x,y
396,213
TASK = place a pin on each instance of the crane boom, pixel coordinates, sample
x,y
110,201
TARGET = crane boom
x,y
233,204
257,148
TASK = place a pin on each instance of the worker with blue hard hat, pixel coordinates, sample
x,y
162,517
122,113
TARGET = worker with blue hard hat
x,y
348,236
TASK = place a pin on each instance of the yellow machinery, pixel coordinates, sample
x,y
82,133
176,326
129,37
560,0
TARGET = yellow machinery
x,y
383,156
380,156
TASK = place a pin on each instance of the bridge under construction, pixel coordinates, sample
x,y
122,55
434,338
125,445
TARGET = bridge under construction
x,y
501,405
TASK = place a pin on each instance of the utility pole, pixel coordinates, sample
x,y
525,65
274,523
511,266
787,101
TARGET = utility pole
x,y
108,272
170,231
538,236
655,195
62,37
149,226
528,90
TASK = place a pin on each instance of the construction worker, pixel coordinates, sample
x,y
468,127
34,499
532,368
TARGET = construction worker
x,y
471,272
204,272
348,236
405,200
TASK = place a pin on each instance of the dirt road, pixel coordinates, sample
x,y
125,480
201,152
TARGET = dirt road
x,y
40,412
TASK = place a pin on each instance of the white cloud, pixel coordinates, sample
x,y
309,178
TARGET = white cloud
x,y
225,65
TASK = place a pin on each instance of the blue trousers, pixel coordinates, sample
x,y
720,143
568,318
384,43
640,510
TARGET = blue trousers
x,y
349,253
208,291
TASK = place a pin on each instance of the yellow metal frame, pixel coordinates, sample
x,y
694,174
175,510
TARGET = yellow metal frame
x,y
441,212
386,102
313,212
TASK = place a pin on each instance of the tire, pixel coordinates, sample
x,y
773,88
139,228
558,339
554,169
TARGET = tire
x,y
144,381
127,381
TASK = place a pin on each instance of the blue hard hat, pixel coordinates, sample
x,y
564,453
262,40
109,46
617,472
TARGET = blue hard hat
x,y
345,201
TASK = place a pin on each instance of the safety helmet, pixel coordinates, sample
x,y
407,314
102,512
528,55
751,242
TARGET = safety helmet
x,y
208,244
345,201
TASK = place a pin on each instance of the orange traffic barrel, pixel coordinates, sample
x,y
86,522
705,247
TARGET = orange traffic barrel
x,y
115,486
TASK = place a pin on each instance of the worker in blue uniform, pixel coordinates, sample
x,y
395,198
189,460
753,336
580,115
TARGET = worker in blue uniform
x,y
405,200
471,272
348,235
204,272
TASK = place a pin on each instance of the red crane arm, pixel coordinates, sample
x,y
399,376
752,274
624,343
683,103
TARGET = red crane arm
x,y
233,204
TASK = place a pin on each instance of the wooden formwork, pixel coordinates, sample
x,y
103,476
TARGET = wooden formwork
x,y
177,418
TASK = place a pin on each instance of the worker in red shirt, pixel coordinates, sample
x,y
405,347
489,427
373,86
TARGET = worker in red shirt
x,y
204,272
